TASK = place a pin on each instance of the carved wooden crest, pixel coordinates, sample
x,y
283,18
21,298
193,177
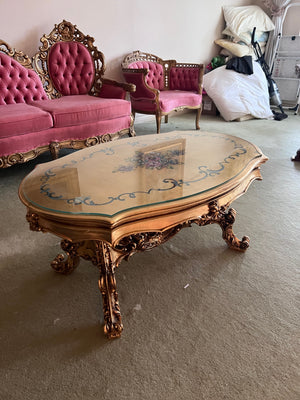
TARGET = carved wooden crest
x,y
66,32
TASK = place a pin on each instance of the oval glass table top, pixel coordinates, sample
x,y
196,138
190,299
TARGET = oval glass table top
x,y
129,175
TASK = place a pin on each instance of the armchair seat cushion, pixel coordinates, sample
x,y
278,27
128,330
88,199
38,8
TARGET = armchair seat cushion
x,y
171,99
83,109
21,118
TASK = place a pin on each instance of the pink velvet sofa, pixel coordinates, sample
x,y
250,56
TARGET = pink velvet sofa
x,y
58,98
163,86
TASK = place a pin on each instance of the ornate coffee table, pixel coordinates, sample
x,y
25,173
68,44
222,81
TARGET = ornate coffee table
x,y
112,200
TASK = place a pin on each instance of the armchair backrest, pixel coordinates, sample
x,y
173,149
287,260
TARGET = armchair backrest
x,y
68,63
155,77
18,83
166,74
184,77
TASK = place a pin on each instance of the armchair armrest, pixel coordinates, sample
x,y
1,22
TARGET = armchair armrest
x,y
137,78
113,89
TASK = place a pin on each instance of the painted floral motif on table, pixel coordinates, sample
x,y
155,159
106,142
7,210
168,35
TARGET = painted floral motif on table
x,y
153,160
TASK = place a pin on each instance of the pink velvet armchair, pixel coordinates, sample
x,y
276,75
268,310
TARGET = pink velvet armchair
x,y
163,86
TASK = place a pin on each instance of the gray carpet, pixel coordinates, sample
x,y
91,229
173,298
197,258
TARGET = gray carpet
x,y
232,333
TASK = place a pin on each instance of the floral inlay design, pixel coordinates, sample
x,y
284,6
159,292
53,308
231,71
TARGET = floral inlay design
x,y
152,160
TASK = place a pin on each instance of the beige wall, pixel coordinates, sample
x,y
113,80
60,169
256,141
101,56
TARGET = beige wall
x,y
291,24
180,29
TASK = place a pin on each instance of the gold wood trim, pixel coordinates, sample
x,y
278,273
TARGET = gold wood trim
x,y
19,56
54,147
20,158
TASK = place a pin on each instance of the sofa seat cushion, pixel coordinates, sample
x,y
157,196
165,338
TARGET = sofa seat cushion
x,y
21,118
83,109
171,99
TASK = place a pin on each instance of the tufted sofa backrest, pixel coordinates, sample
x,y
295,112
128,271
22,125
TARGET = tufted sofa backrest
x,y
184,78
71,68
155,76
18,84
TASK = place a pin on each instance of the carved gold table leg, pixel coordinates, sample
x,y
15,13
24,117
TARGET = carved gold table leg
x,y
105,260
218,215
67,265
226,220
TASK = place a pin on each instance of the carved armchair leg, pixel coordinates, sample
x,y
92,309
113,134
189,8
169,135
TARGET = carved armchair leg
x,y
67,265
158,121
107,284
198,115
166,119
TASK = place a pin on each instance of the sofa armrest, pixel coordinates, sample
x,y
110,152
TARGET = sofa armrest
x,y
137,77
113,89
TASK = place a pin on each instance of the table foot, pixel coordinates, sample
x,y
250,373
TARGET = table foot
x,y
228,235
66,265
226,220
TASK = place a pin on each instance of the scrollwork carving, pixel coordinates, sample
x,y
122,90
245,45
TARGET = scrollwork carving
x,y
66,31
66,265
19,158
144,241
105,138
19,56
107,284
33,220
107,257
216,215
103,256
12,159
92,141
54,147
